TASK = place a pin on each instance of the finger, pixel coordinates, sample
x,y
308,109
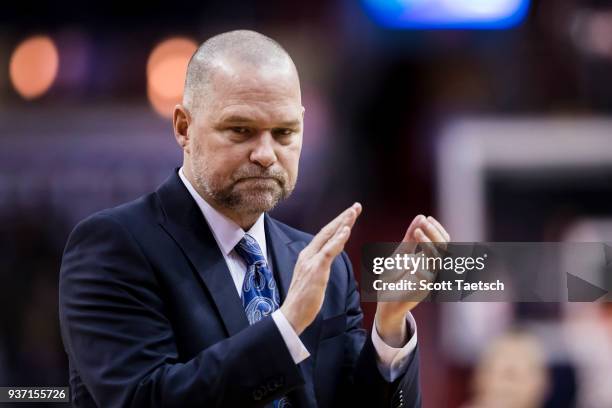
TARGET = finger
x,y
426,244
440,228
409,242
333,247
409,235
347,217
350,222
432,232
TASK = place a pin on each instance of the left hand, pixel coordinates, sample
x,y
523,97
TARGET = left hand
x,y
391,316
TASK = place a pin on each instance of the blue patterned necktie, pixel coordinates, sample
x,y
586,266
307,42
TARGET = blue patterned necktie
x,y
259,292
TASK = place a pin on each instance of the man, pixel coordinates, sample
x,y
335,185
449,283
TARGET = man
x,y
194,296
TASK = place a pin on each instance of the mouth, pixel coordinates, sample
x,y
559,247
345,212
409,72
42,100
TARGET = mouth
x,y
258,180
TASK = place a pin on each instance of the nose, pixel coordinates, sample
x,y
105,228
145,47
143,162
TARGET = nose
x,y
263,152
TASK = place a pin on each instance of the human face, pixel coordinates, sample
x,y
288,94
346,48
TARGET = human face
x,y
246,138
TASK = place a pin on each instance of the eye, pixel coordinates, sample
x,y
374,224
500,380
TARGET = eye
x,y
240,130
283,132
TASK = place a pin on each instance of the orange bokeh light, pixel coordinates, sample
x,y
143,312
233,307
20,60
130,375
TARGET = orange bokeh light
x,y
166,70
33,66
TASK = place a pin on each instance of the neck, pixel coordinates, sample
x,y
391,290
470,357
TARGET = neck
x,y
245,221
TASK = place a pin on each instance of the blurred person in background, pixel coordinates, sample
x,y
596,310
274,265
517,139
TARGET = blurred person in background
x,y
589,332
511,374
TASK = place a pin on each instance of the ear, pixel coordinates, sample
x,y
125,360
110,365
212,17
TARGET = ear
x,y
181,119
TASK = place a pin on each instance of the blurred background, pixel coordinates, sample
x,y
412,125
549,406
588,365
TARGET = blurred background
x,y
495,116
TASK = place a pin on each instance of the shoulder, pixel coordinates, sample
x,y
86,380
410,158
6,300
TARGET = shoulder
x,y
108,244
141,210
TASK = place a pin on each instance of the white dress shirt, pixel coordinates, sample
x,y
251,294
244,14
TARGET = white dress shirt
x,y
392,362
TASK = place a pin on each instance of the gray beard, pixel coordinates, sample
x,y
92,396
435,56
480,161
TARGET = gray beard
x,y
262,198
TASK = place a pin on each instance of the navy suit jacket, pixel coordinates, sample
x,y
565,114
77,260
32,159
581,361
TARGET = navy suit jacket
x,y
150,317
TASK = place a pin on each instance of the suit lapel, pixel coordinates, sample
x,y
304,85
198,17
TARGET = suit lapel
x,y
185,223
284,256
284,253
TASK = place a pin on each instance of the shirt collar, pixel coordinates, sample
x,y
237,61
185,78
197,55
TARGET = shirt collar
x,y
226,232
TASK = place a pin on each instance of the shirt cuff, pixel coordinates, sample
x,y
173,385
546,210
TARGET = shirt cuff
x,y
392,362
296,348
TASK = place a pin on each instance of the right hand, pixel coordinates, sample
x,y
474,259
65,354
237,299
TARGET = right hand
x,y
311,273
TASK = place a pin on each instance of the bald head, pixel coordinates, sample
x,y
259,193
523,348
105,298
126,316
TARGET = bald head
x,y
227,52
240,124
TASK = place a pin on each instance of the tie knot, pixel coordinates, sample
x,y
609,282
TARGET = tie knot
x,y
249,250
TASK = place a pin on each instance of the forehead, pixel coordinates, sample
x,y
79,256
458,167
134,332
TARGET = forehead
x,y
266,94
